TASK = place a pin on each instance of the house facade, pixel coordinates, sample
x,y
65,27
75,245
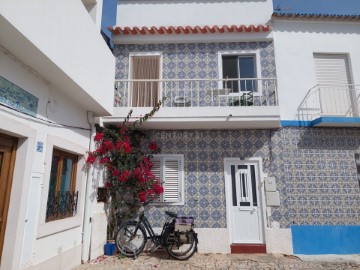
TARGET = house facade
x,y
318,65
254,146
50,92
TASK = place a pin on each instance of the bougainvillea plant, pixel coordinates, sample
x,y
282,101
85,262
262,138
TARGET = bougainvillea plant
x,y
125,156
126,160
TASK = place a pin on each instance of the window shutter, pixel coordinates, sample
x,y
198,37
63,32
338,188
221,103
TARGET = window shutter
x,y
171,180
332,69
156,170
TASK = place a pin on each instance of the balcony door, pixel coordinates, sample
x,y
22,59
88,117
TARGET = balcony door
x,y
7,161
336,92
239,68
144,75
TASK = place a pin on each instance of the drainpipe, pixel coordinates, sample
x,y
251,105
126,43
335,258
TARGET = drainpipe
x,y
85,251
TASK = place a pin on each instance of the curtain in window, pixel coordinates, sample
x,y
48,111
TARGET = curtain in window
x,y
145,94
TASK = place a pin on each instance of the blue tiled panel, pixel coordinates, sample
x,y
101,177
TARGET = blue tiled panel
x,y
15,97
314,167
326,239
190,61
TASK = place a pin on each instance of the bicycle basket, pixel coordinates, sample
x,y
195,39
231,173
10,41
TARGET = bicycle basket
x,y
184,224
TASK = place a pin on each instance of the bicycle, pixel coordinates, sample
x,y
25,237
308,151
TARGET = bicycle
x,y
177,236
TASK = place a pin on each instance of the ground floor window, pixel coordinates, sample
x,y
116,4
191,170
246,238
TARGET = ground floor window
x,y
169,169
62,197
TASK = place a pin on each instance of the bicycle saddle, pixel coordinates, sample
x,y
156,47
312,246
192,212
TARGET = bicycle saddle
x,y
171,214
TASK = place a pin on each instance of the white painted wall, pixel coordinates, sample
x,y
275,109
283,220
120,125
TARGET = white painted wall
x,y
295,43
278,241
182,13
94,8
54,51
61,42
34,243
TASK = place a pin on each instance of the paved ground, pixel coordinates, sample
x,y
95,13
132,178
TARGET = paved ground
x,y
160,260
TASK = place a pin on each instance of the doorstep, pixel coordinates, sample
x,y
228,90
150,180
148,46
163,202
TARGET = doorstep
x,y
247,248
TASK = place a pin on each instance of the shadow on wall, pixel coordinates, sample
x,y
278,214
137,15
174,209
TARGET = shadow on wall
x,y
315,27
329,138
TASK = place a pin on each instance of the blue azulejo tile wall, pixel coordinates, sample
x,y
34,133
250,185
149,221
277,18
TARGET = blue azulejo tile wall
x,y
315,170
191,61
318,174
204,152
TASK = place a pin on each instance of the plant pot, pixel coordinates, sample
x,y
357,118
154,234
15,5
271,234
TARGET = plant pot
x,y
109,249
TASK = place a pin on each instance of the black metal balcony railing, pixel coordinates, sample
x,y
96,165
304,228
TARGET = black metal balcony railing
x,y
61,205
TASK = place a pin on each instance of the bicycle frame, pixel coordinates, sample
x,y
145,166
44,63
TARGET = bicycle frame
x,y
179,240
155,238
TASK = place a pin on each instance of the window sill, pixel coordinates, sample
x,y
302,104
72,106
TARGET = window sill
x,y
166,203
57,226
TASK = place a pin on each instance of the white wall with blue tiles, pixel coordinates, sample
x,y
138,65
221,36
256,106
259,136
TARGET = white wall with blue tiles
x,y
315,168
191,60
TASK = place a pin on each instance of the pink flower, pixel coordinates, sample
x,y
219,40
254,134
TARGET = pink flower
x,y
119,145
124,176
108,145
158,189
100,150
123,145
91,159
153,146
127,147
98,137
142,196
104,160
115,172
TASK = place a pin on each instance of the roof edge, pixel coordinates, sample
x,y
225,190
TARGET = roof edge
x,y
185,30
315,16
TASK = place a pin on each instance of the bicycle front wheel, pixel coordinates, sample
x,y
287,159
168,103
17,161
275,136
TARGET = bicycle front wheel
x,y
181,245
130,239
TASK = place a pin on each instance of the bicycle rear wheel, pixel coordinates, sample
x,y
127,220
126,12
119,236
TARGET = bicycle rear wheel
x,y
130,239
181,245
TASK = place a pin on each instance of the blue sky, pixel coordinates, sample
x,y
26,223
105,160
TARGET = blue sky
x,y
339,7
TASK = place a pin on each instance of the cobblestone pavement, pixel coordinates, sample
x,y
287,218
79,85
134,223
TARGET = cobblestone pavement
x,y
160,260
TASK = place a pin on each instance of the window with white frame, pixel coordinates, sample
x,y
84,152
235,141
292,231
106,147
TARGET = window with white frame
x,y
169,169
238,71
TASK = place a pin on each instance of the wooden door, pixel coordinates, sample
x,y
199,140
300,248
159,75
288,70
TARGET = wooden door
x,y
7,161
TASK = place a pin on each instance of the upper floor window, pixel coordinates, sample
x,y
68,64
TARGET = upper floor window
x,y
62,197
332,69
144,73
170,170
238,70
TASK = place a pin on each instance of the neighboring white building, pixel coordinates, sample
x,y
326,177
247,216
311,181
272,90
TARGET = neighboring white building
x,y
56,75
260,163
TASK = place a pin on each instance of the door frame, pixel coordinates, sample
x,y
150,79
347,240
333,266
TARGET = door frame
x,y
9,180
228,192
26,135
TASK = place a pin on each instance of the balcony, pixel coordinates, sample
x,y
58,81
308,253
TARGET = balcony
x,y
331,105
199,103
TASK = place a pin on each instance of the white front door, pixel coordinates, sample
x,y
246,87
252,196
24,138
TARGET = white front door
x,y
243,199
